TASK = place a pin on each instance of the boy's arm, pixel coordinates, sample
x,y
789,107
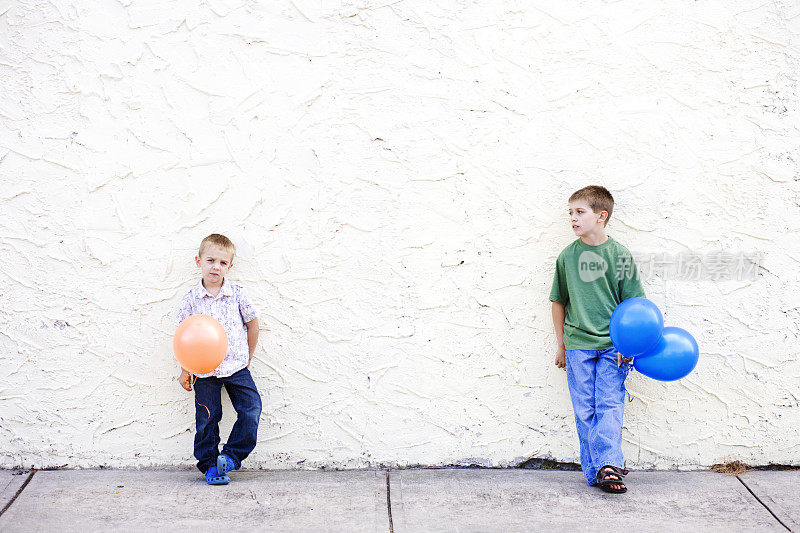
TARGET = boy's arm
x,y
559,295
559,314
252,337
630,285
250,319
184,311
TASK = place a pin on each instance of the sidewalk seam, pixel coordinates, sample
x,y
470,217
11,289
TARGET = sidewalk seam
x,y
389,502
19,491
762,503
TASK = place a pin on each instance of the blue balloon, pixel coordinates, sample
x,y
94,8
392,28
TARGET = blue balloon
x,y
635,326
674,356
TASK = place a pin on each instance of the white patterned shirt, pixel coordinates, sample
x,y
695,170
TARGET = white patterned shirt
x,y
232,308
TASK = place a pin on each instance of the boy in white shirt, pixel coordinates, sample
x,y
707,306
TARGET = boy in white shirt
x,y
216,296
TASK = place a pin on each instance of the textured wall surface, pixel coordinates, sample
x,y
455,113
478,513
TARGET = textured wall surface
x,y
395,174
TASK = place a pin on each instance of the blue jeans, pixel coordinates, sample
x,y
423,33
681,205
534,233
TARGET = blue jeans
x,y
247,403
597,388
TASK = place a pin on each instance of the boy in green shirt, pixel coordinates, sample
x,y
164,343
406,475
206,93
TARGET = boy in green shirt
x,y
593,275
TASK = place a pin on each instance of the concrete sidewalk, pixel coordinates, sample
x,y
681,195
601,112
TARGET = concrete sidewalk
x,y
396,500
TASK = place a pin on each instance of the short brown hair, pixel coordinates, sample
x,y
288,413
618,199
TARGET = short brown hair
x,y
219,240
598,198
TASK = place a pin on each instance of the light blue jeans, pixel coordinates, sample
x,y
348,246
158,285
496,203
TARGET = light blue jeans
x,y
597,388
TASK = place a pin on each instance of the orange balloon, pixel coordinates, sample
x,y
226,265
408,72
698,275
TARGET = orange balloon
x,y
200,344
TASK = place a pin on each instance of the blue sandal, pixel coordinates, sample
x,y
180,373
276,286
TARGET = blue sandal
x,y
225,464
213,477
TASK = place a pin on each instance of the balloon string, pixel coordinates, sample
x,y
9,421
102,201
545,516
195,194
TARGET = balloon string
x,y
194,380
626,368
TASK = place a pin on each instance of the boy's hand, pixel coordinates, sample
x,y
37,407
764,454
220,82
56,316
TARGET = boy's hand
x,y
561,357
185,380
621,359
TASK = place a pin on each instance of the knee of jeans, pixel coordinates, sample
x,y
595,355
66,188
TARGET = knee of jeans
x,y
583,413
608,402
254,411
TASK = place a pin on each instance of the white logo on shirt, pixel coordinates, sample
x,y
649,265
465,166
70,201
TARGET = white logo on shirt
x,y
591,266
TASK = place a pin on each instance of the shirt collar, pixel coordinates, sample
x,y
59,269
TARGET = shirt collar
x,y
225,290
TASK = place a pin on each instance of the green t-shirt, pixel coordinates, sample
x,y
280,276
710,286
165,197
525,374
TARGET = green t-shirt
x,y
591,281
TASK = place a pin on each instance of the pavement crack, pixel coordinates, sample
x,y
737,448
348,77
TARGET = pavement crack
x,y
762,503
19,491
389,503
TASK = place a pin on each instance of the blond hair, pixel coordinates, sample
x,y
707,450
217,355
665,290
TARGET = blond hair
x,y
218,240
598,198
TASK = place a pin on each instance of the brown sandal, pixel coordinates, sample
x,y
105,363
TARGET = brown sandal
x,y
611,475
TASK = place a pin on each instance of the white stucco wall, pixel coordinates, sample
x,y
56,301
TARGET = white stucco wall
x,y
395,174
